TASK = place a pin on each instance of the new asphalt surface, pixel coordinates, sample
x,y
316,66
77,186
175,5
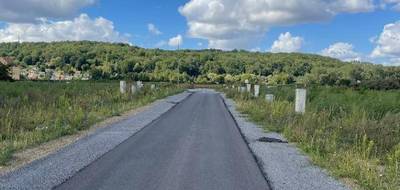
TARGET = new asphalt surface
x,y
196,145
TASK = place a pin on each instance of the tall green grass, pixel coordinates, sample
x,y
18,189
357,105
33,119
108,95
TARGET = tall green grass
x,y
35,112
354,134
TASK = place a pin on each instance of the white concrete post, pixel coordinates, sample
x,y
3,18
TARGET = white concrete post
x,y
153,87
133,89
301,96
256,90
246,81
248,87
239,88
139,84
269,98
122,87
242,89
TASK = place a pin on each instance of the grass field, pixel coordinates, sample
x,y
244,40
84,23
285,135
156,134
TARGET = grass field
x,y
36,112
353,134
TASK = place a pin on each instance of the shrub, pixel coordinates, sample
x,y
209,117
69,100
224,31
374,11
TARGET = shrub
x,y
4,73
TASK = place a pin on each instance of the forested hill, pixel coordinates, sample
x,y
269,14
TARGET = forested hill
x,y
116,61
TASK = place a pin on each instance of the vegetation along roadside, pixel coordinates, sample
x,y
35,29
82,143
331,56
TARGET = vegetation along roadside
x,y
355,134
32,113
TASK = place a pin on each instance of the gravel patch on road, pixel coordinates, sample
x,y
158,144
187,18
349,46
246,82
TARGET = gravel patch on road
x,y
57,167
284,166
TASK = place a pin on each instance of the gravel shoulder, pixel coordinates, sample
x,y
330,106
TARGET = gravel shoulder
x,y
285,166
51,164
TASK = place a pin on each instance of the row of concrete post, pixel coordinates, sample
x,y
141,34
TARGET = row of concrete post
x,y
301,96
123,87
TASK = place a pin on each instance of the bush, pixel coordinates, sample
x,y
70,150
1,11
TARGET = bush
x,y
385,84
4,73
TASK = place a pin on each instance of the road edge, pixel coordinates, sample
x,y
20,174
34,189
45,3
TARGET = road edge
x,y
255,156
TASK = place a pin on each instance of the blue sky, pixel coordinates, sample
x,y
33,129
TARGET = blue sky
x,y
133,17
345,29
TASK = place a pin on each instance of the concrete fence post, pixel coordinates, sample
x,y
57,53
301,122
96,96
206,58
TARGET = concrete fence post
x,y
238,88
248,87
153,87
139,84
269,98
242,89
301,97
256,90
134,89
122,87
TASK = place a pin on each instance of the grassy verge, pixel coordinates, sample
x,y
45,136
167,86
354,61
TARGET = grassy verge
x,y
353,134
32,113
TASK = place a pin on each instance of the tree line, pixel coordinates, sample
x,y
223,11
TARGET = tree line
x,y
122,61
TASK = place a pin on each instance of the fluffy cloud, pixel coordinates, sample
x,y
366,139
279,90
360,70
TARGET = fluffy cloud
x,y
229,24
34,10
175,41
388,43
287,43
343,51
80,28
153,29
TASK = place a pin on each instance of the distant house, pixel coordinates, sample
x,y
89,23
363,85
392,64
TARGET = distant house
x,y
49,74
6,60
33,74
16,73
68,77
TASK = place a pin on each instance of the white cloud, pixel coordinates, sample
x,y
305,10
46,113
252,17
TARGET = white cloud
x,y
80,28
353,6
34,10
287,43
153,29
373,39
393,62
394,4
175,41
161,44
342,51
388,42
230,24
256,49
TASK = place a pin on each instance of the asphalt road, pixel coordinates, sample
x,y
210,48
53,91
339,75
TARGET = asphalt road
x,y
195,146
